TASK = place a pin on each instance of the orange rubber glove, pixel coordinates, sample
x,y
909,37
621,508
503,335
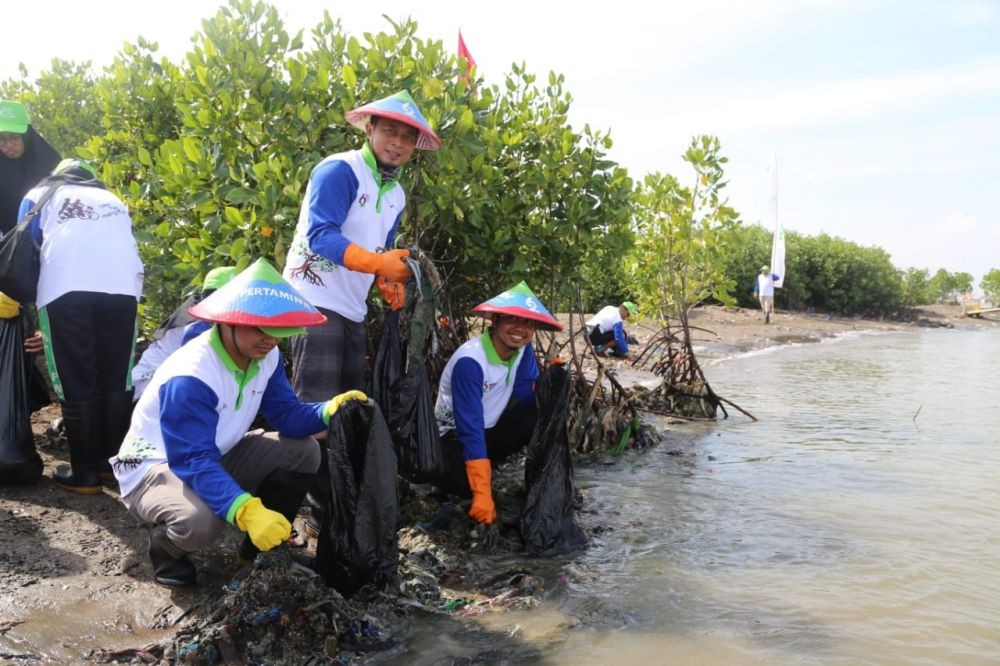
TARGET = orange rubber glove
x,y
266,528
387,264
480,476
393,293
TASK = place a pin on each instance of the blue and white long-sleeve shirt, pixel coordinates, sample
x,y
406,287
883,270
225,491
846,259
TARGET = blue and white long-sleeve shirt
x,y
609,318
346,202
476,387
197,407
765,284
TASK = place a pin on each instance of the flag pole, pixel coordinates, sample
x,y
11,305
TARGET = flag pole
x,y
778,239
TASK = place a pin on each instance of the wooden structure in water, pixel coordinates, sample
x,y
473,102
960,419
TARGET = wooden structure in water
x,y
978,313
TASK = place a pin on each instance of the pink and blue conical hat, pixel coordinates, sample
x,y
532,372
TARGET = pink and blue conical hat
x,y
402,108
259,297
520,301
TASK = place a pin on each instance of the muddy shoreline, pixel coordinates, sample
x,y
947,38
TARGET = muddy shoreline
x,y
77,580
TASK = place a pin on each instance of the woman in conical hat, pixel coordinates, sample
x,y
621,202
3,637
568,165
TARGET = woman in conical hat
x,y
188,466
343,242
486,397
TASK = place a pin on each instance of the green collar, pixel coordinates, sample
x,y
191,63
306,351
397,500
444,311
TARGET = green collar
x,y
241,377
493,358
383,187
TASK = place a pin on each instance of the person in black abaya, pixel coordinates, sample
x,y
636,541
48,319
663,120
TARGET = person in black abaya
x,y
25,158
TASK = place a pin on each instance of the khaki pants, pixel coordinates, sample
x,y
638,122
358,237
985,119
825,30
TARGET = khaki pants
x,y
161,497
767,304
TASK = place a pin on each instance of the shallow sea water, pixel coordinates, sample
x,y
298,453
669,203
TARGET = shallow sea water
x,y
858,521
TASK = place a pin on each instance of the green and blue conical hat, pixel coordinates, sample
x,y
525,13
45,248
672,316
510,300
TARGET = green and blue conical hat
x,y
399,107
259,297
520,301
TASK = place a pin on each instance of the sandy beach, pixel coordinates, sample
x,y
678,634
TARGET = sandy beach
x,y
74,569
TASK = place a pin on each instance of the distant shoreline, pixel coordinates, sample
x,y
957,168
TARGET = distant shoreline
x,y
744,329
719,332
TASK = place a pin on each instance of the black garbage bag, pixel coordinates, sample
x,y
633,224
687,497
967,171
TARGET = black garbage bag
x,y
357,541
38,389
548,522
401,386
20,463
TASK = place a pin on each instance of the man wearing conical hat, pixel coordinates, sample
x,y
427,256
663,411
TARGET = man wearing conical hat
x,y
486,397
188,466
350,214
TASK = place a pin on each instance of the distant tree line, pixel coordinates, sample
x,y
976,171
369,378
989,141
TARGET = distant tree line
x,y
825,274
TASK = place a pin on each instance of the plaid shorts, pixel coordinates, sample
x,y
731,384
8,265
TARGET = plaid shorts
x,y
329,359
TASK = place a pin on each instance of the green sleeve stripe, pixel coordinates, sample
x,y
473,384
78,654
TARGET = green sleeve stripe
x,y
235,506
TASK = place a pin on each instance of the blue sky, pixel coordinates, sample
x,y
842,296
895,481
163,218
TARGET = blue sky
x,y
884,114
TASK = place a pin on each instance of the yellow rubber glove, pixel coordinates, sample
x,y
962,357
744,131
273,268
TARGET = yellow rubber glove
x,y
387,264
480,476
393,293
265,528
334,403
9,308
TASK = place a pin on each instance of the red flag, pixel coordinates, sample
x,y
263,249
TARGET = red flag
x,y
463,52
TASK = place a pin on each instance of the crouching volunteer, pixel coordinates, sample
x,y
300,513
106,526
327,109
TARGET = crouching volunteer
x,y
188,465
486,400
607,329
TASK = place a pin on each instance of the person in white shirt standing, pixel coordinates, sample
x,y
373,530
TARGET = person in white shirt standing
x,y
352,209
764,290
89,286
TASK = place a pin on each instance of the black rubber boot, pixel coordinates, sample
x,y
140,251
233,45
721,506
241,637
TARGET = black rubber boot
x,y
116,418
281,491
168,570
82,423
767,318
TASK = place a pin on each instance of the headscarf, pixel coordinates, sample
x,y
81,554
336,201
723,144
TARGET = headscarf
x,y
20,175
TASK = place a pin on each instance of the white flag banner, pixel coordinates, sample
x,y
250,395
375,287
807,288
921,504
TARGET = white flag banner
x,y
778,242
